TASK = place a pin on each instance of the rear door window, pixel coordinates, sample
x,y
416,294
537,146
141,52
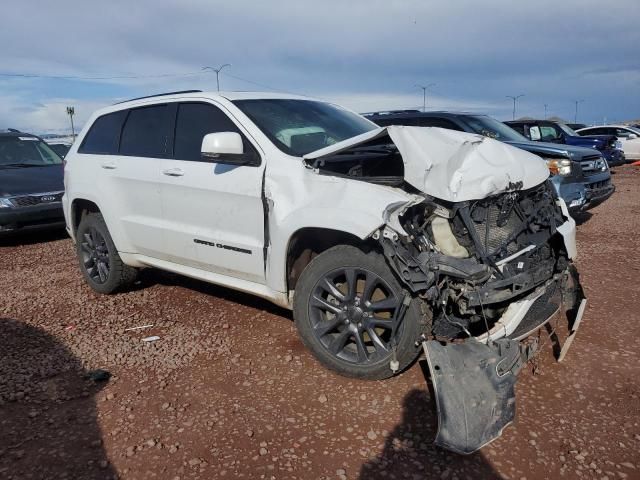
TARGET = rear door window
x,y
145,132
104,135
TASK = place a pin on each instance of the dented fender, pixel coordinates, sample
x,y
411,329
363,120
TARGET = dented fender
x,y
309,200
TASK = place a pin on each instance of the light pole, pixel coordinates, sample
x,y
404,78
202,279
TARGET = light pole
x,y
217,70
424,94
71,112
575,117
545,111
514,103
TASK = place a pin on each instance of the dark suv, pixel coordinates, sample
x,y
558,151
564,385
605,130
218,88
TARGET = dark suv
x,y
556,132
31,183
580,175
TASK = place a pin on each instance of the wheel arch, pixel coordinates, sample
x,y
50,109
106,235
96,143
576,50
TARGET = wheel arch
x,y
79,208
308,242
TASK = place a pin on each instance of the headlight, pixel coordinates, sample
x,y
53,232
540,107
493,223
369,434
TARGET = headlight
x,y
5,203
559,166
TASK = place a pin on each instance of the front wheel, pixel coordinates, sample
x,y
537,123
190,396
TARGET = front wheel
x,y
345,306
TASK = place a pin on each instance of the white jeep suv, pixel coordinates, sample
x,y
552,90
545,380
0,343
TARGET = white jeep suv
x,y
381,239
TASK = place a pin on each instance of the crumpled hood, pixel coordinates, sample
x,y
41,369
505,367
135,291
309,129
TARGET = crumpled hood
x,y
454,166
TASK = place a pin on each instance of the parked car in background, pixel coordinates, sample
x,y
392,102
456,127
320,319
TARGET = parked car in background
x,y
31,183
580,175
629,137
556,132
60,148
379,239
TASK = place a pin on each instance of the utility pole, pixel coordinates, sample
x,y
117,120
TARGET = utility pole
x,y
575,118
217,70
545,111
424,94
71,112
514,103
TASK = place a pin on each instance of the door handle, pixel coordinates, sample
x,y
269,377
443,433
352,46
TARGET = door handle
x,y
109,165
173,172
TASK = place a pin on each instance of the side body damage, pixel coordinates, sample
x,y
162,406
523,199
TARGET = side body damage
x,y
490,256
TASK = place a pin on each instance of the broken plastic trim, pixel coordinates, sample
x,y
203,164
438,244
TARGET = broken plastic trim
x,y
474,384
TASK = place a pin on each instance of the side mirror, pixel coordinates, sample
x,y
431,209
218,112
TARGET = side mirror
x,y
227,148
631,136
221,143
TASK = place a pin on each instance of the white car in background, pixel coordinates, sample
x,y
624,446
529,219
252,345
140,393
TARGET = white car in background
x,y
628,136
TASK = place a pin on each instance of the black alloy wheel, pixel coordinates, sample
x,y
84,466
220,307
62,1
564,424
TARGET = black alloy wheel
x,y
95,256
352,311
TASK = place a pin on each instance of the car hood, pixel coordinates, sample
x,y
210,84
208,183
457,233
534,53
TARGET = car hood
x,y
551,149
23,181
453,166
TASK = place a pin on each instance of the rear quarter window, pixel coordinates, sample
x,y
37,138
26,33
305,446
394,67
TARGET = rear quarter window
x,y
104,135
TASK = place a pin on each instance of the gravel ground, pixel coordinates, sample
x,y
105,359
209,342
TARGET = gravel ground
x,y
228,391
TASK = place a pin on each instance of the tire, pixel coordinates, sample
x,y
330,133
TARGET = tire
x,y
341,328
101,266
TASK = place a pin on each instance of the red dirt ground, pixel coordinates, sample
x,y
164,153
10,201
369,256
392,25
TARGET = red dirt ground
x,y
229,391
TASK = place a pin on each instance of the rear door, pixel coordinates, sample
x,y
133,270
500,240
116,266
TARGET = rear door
x,y
121,155
213,212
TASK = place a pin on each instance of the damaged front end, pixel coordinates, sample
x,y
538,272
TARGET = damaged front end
x,y
493,271
486,245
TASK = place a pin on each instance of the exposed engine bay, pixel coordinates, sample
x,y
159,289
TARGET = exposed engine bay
x,y
488,249
471,260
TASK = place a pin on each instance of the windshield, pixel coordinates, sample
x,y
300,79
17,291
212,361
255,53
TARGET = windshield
x,y
568,130
26,152
490,127
298,127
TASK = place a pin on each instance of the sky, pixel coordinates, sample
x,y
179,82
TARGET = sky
x,y
365,54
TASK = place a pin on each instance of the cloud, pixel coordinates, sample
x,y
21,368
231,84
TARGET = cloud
x,y
369,53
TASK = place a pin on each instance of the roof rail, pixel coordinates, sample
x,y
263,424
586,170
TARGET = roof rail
x,y
392,112
14,130
158,95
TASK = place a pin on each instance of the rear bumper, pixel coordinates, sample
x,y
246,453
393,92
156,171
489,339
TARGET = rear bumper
x,y
38,216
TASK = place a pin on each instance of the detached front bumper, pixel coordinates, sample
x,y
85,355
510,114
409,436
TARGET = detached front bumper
x,y
474,381
37,216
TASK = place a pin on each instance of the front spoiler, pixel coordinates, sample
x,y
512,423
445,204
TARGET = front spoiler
x,y
473,381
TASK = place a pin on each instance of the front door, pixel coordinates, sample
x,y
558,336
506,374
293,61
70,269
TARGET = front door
x,y
213,213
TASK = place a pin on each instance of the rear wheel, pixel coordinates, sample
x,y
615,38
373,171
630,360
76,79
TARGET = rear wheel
x,y
100,263
345,308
